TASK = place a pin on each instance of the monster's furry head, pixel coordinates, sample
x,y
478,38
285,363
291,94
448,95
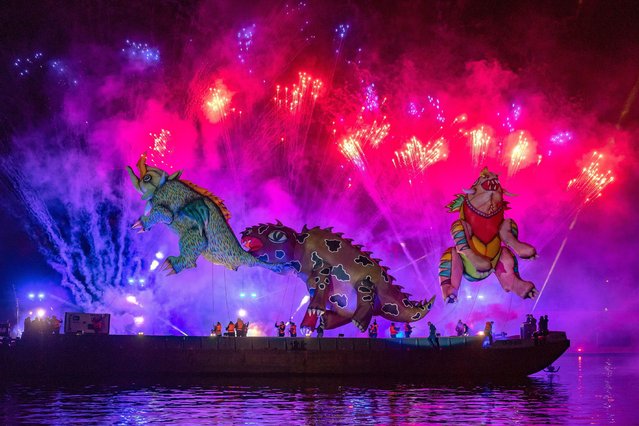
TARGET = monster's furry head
x,y
486,188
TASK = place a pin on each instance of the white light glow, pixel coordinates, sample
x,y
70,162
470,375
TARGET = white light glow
x,y
138,320
154,265
40,313
159,255
132,299
241,313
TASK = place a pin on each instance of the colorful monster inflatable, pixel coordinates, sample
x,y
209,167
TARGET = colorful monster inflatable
x,y
196,215
337,273
478,236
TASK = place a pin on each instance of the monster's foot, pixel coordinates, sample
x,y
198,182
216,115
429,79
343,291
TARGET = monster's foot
x,y
523,250
481,263
139,226
176,264
532,293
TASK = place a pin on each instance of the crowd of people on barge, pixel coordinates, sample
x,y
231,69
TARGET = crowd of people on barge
x,y
41,325
530,329
232,329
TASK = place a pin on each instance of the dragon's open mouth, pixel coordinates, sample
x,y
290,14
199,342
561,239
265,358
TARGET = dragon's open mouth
x,y
251,244
491,185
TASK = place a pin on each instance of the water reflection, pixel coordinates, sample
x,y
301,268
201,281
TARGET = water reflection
x,y
540,399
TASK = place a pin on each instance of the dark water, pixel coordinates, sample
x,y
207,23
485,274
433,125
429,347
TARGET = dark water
x,y
589,389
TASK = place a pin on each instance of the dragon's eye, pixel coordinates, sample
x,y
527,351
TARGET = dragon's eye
x,y
277,237
147,178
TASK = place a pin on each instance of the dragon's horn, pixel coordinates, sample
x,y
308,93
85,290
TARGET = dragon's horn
x,y
134,179
142,165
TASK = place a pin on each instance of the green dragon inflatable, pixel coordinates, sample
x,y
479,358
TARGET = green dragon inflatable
x,y
197,216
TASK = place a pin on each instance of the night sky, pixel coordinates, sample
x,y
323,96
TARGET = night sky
x,y
86,85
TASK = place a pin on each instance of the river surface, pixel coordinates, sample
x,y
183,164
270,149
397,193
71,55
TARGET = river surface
x,y
588,389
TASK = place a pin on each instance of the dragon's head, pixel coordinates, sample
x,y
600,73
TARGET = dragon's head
x,y
151,178
486,191
272,243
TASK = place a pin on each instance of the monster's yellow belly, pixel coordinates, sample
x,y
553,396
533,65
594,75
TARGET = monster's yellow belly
x,y
490,250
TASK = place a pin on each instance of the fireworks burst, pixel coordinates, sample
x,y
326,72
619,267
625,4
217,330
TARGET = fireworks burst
x,y
561,138
351,148
511,118
590,183
141,53
24,66
216,103
480,140
293,99
371,100
160,149
417,157
439,112
415,110
521,153
244,42
342,30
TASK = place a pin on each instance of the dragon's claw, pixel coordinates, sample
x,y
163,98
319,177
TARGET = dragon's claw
x,y
532,294
138,225
168,266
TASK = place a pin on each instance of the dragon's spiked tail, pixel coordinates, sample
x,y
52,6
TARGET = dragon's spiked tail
x,y
405,310
420,309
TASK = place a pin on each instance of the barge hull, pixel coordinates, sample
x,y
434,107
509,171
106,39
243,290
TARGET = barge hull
x,y
138,356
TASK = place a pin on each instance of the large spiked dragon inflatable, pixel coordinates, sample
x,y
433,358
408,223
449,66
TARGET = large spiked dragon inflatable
x,y
197,216
478,235
338,274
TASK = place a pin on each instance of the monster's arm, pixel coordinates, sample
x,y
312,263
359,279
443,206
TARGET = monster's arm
x,y
158,214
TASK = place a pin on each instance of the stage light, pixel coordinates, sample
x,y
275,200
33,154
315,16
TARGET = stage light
x,y
132,299
31,296
480,297
131,281
241,313
40,313
242,294
154,265
481,333
141,280
138,320
159,255
253,295
469,297
40,296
